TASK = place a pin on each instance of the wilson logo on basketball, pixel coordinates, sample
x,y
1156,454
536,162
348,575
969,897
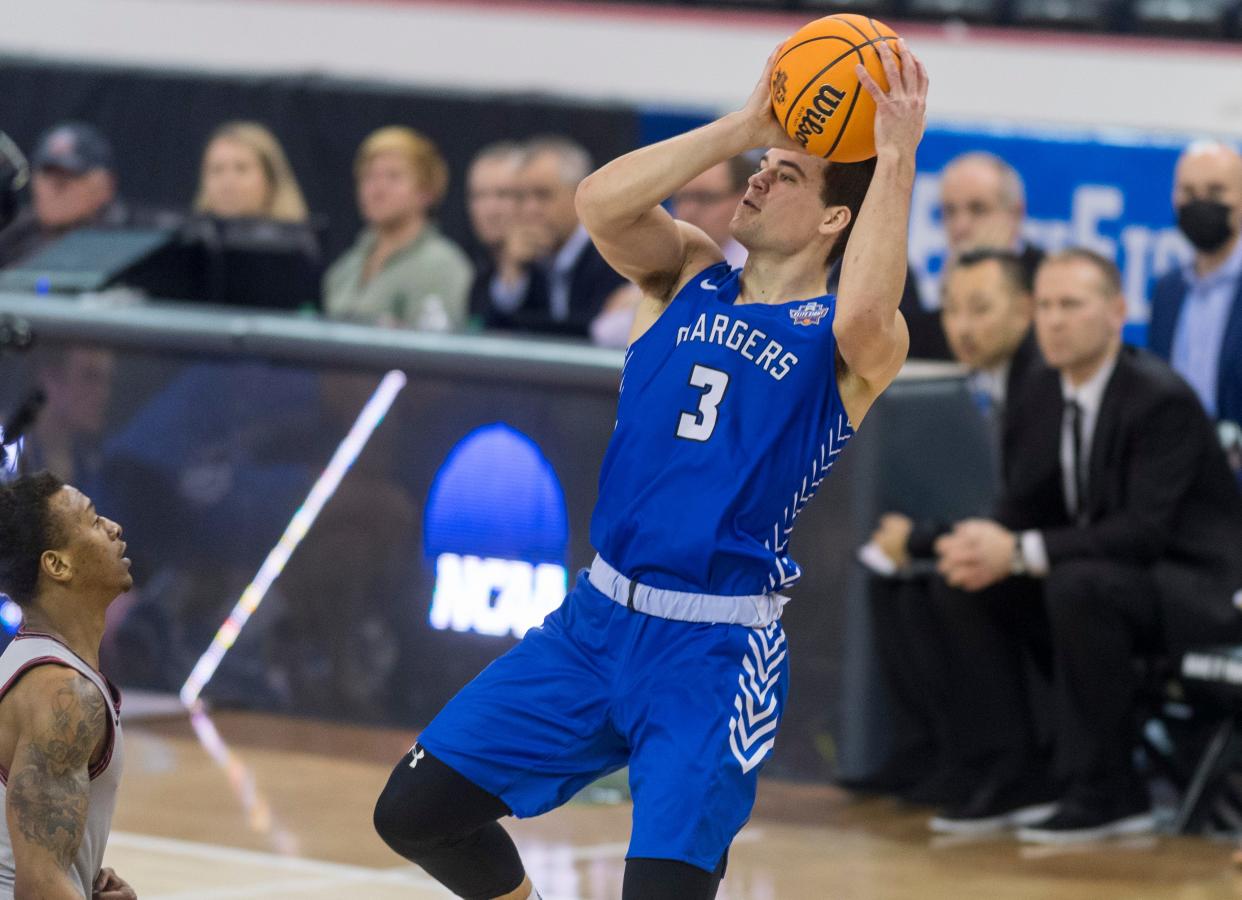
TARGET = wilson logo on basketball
x,y
819,112
808,314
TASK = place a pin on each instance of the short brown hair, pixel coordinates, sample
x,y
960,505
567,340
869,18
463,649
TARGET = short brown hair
x,y
846,184
1107,269
423,156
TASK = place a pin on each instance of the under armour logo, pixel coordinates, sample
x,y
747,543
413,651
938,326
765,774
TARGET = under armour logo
x,y
417,753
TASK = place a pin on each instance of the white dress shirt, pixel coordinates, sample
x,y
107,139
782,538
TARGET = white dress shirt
x,y
1090,397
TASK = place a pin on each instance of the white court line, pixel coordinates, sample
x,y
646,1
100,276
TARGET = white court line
x,y
337,873
252,891
216,853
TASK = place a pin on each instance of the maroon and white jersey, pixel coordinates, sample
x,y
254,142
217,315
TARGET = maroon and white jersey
x,y
27,651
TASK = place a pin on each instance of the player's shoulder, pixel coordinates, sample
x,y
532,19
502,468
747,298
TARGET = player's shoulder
x,y
700,252
57,696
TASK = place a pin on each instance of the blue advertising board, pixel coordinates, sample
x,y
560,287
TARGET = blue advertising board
x,y
1108,191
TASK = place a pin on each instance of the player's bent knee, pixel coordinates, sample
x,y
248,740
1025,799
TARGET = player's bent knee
x,y
436,818
427,807
404,815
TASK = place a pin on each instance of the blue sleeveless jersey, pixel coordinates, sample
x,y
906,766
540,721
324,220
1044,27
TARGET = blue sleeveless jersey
x,y
728,420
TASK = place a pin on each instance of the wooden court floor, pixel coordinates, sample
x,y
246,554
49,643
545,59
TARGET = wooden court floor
x,y
254,806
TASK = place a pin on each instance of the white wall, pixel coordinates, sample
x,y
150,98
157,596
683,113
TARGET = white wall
x,y
696,59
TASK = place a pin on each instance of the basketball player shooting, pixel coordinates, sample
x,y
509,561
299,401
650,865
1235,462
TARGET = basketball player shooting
x,y
739,390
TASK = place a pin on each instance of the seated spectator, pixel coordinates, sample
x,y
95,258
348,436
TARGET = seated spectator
x,y
246,175
491,205
1196,309
401,271
550,278
986,311
492,200
1116,536
258,246
73,185
710,200
983,204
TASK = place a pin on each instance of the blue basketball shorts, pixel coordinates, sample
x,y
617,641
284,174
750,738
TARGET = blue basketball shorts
x,y
692,708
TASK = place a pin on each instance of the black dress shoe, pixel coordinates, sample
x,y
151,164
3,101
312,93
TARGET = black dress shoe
x,y
999,805
1084,819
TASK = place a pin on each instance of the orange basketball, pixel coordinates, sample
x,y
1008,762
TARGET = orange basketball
x,y
816,93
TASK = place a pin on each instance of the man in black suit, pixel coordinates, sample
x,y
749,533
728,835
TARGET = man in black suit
x,y
549,277
1118,535
985,313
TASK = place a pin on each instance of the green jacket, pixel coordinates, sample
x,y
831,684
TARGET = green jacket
x,y
424,285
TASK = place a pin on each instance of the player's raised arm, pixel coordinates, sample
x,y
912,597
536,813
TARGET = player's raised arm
x,y
620,203
871,333
60,718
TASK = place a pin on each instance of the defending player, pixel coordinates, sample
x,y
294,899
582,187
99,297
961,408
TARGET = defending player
x,y
739,390
60,727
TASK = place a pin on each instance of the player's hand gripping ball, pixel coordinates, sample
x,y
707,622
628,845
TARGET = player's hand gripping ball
x,y
816,94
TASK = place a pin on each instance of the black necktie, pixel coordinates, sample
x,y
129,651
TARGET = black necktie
x,y
1080,481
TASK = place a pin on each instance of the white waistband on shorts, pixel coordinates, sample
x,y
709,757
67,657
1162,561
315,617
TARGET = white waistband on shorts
x,y
751,610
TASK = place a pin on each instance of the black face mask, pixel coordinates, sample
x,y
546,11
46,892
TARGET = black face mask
x,y
1205,224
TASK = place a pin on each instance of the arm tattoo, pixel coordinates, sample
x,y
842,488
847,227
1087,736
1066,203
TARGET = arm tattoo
x,y
49,792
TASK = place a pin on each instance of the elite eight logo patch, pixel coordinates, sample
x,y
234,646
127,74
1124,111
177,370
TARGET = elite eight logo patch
x,y
808,313
780,85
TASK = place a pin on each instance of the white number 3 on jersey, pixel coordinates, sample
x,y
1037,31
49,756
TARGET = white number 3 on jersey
x,y
698,426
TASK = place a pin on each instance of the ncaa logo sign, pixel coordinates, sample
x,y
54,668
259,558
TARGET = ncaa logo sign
x,y
808,314
497,530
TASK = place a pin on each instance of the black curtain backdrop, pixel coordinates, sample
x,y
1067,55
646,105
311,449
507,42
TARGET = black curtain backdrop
x,y
159,122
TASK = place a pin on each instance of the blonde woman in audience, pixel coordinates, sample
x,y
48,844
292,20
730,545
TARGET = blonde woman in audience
x,y
245,174
401,271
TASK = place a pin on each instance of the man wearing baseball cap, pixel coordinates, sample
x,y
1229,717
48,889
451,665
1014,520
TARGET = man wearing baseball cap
x,y
72,185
